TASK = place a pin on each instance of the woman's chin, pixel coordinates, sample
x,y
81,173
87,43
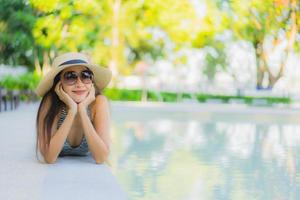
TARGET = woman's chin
x,y
78,100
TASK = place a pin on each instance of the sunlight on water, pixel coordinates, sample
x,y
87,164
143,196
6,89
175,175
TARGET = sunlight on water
x,y
176,159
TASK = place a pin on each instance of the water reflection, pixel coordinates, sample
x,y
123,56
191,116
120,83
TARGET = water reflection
x,y
176,159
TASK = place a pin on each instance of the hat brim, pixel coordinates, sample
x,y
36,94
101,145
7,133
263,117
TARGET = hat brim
x,y
102,77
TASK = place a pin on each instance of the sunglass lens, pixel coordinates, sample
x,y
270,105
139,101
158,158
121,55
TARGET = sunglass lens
x,y
70,77
86,76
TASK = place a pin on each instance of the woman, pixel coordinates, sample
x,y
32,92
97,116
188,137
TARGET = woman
x,y
73,116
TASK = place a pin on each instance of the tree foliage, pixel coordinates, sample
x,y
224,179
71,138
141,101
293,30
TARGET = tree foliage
x,y
255,21
16,40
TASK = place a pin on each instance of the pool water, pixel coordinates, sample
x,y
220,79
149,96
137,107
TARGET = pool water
x,y
212,156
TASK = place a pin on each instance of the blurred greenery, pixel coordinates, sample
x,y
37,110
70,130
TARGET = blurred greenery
x,y
28,81
136,95
17,20
23,82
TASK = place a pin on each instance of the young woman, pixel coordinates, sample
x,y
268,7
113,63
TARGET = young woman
x,y
73,116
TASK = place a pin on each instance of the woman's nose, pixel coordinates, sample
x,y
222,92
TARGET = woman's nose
x,y
79,82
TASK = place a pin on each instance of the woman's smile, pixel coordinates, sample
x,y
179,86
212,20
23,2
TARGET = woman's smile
x,y
79,92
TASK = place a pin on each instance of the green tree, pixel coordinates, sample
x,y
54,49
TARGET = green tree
x,y
211,25
255,21
65,26
117,33
16,40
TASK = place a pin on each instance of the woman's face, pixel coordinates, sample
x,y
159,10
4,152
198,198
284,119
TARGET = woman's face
x,y
77,90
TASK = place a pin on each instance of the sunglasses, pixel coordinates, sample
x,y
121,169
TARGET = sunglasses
x,y
71,77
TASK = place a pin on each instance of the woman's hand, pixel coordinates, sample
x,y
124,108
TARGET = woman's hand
x,y
72,105
88,100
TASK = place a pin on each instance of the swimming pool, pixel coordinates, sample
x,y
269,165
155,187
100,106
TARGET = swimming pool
x,y
165,154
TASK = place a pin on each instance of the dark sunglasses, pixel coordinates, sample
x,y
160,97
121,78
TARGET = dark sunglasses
x,y
71,77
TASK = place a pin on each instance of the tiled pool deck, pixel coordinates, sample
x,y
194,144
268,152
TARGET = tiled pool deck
x,y
22,177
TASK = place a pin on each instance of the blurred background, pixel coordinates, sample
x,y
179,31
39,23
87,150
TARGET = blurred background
x,y
183,50
229,67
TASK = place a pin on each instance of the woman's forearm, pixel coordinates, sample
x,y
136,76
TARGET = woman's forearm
x,y
96,145
58,139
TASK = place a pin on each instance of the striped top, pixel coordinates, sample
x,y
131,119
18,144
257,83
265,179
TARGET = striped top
x,y
68,150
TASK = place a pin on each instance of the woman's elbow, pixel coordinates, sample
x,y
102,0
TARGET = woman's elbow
x,y
98,161
50,160
103,158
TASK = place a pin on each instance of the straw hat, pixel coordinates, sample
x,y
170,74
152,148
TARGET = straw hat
x,y
102,76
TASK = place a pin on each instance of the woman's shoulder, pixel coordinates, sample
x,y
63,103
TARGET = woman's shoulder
x,y
100,99
99,102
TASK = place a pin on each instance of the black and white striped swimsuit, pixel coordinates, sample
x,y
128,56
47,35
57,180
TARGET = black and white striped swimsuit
x,y
67,150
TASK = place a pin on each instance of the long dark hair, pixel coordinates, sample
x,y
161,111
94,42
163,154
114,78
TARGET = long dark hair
x,y
55,105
